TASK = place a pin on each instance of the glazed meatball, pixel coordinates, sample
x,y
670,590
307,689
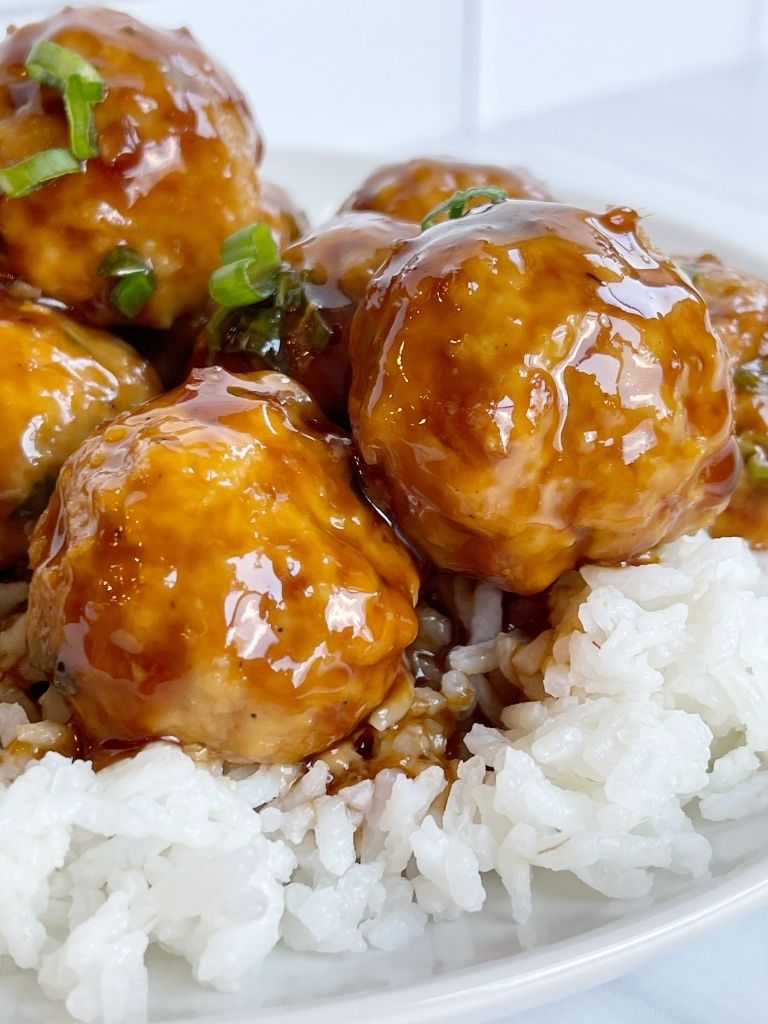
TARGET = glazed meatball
x,y
59,380
533,386
412,189
325,277
737,303
206,571
738,307
174,176
287,220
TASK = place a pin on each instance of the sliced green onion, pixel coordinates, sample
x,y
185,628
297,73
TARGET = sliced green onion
x,y
131,293
241,283
456,205
54,65
254,242
135,284
122,261
82,125
27,175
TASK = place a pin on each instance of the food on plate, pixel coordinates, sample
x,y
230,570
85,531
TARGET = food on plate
x,y
533,387
206,571
302,327
411,190
738,306
405,583
130,225
59,380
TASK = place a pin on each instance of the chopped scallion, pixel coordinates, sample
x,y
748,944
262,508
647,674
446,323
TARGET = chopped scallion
x,y
254,242
456,205
54,65
121,261
27,175
82,125
135,284
241,283
131,293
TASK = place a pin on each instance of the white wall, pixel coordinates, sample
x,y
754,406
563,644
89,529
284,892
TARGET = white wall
x,y
373,74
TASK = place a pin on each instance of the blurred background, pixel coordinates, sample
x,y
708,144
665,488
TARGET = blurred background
x,y
662,104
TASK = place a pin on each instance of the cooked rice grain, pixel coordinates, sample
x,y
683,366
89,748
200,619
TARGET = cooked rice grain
x,y
654,700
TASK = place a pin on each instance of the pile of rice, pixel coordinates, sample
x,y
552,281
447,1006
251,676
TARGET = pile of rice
x,y
649,700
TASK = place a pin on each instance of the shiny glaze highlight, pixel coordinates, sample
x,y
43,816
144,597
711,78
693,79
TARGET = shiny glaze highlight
x,y
205,571
533,386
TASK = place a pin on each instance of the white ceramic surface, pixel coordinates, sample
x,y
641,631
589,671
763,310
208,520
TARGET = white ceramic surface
x,y
474,969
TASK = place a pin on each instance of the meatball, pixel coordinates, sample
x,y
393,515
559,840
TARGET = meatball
x,y
206,571
412,189
737,303
738,307
325,277
175,174
534,386
59,380
287,220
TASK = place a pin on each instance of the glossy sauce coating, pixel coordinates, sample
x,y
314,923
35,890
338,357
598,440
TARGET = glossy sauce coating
x,y
58,380
205,571
410,190
175,175
738,307
534,387
333,265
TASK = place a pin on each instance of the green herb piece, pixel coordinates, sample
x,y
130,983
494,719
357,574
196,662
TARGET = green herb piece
x,y
131,294
122,261
82,124
754,450
136,281
752,376
241,283
287,318
255,242
54,65
456,205
27,175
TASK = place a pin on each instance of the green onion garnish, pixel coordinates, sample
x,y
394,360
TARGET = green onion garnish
x,y
456,205
136,281
241,283
81,86
54,65
27,175
131,294
254,242
250,261
82,125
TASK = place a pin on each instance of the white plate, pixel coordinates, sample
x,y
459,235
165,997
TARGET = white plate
x,y
472,970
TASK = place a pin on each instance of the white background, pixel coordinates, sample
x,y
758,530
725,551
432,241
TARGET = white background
x,y
374,74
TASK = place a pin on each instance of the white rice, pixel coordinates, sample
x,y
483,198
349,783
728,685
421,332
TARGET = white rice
x,y
654,701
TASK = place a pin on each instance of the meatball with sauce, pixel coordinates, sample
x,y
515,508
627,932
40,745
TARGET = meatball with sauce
x,y
412,189
58,381
205,571
326,274
738,307
533,386
175,172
